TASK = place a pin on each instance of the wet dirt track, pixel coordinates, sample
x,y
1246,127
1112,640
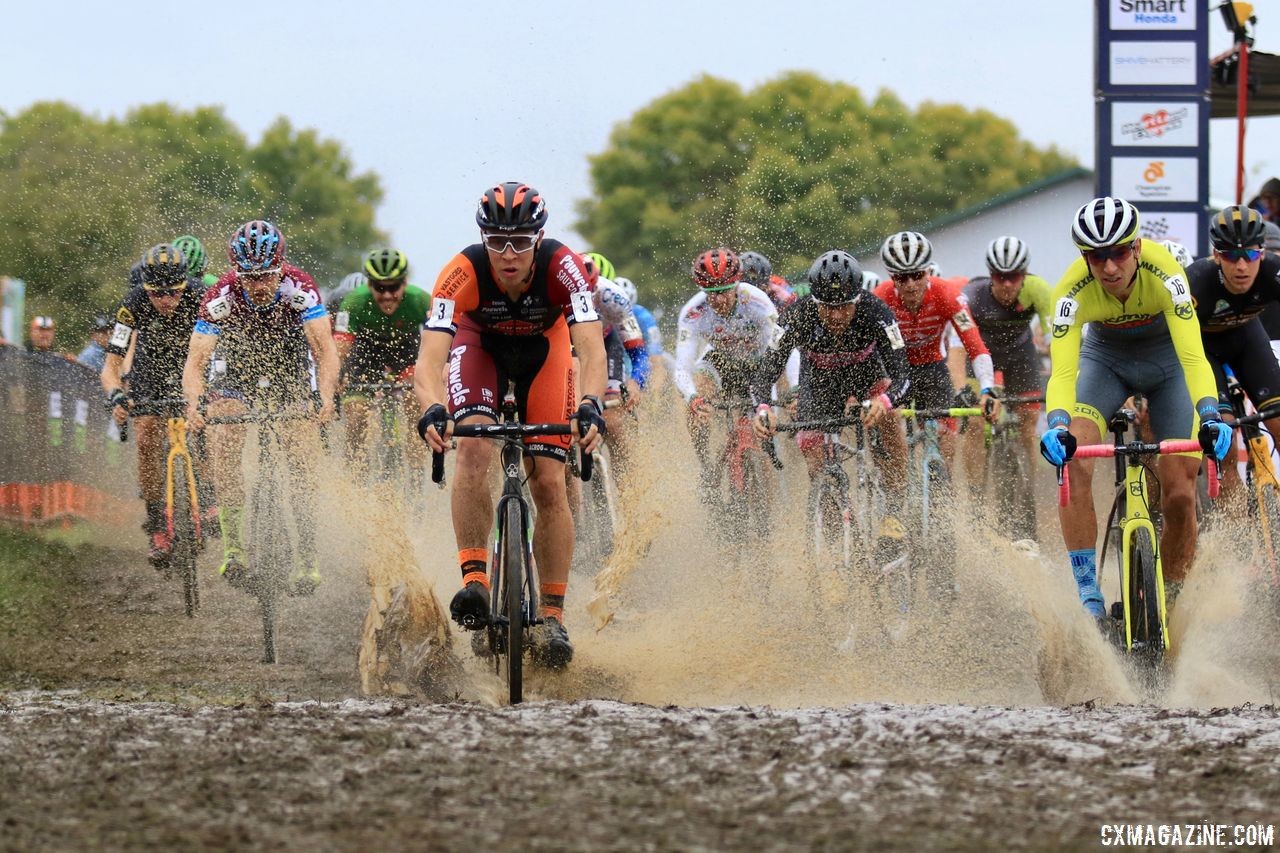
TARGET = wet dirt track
x,y
602,775
716,712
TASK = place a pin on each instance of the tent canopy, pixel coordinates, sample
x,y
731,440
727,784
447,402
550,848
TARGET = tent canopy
x,y
1264,91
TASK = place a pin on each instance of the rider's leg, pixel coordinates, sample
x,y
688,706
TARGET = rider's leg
x,y
553,534
150,437
226,444
355,414
1080,522
1178,502
708,386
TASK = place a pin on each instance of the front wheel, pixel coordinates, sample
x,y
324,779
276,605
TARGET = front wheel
x,y
514,571
185,545
1147,635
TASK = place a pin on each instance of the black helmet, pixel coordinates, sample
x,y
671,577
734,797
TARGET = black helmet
x,y
756,268
835,279
512,206
1237,227
135,275
163,267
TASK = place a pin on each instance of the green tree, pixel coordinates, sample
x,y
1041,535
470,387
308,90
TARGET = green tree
x,y
84,197
791,168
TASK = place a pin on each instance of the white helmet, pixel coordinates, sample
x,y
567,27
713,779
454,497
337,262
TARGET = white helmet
x,y
906,251
1104,222
1180,253
349,283
628,287
870,280
1006,255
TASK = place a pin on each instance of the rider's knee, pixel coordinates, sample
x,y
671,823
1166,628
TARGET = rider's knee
x,y
547,484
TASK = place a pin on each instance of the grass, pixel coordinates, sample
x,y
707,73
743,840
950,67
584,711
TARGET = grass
x,y
33,572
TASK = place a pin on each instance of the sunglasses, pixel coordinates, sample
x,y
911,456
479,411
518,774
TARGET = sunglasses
x,y
1007,276
902,277
386,286
519,243
165,291
1239,254
1119,254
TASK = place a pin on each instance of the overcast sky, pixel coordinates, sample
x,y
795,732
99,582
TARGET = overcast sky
x,y
443,99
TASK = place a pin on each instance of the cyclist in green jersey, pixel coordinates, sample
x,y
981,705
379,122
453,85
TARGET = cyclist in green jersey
x,y
377,330
197,261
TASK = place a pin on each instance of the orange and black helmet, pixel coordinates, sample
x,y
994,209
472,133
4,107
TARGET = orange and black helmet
x,y
717,269
512,206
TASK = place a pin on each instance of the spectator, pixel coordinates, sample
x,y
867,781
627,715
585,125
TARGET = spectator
x,y
1267,201
41,337
94,355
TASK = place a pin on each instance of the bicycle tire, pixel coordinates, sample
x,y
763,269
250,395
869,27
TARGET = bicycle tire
x,y
1270,522
756,492
184,539
940,540
1009,481
274,554
514,572
1146,633
829,519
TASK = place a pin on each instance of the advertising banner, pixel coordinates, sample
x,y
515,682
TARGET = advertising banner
x,y
1155,124
1147,15
1155,179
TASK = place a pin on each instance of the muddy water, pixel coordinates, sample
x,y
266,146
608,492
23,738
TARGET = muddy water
x,y
734,699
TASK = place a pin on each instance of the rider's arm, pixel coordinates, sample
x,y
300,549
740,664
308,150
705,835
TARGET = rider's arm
x,y
193,371
320,339
343,335
892,347
111,375
962,320
775,361
688,341
588,343
1184,330
1064,347
1036,295
428,372
633,342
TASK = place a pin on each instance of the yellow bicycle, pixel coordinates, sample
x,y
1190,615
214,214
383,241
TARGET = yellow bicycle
x,y
1139,619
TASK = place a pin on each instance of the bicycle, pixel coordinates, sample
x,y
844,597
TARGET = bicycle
x,y
181,505
272,552
842,517
1008,473
1131,534
931,530
740,490
1262,484
513,605
386,402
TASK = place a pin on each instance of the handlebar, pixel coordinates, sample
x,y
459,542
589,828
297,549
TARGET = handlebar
x,y
934,414
1257,417
169,406
503,431
1137,448
253,417
379,386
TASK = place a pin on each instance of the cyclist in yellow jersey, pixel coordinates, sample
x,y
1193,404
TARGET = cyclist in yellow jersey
x,y
1143,338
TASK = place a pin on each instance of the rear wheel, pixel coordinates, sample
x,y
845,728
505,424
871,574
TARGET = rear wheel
x,y
939,531
1146,629
514,570
1008,481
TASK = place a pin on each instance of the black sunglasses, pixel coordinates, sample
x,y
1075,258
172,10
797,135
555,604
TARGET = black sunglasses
x,y
386,286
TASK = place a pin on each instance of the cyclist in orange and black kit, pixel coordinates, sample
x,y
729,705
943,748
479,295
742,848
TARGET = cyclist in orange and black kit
x,y
507,309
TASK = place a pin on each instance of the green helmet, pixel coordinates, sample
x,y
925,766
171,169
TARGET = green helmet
x,y
385,264
193,250
602,265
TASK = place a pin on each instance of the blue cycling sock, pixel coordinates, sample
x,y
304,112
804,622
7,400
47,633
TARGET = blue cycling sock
x,y
1084,565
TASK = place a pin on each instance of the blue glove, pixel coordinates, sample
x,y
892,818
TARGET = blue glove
x,y
1215,438
1057,446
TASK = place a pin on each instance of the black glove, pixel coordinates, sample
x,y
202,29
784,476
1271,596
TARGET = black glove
x,y
116,398
966,399
435,416
590,413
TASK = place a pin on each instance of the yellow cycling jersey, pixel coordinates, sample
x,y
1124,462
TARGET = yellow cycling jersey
x,y
1158,308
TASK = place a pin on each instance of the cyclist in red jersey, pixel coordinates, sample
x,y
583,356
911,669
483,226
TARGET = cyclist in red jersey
x,y
263,317
507,309
925,306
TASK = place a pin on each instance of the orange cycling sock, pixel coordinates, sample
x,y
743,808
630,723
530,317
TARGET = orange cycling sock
x,y
474,568
552,600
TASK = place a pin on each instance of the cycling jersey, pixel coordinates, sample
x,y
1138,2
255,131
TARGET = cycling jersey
x,y
943,303
261,346
619,319
869,349
525,341
1159,308
742,337
381,343
1007,329
558,288
649,327
162,340
1217,308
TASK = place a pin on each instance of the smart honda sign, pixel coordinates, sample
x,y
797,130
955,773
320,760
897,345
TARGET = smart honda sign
x,y
1151,72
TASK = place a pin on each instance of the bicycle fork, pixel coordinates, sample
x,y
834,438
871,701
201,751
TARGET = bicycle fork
x,y
177,428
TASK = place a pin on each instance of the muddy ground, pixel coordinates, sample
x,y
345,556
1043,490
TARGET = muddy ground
x,y
733,702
